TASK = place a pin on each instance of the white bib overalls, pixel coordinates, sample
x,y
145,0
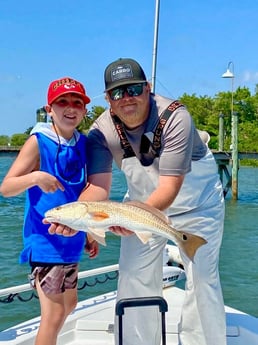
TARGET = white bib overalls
x,y
198,208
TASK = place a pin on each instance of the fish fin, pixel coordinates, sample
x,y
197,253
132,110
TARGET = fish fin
x,y
99,216
143,236
189,243
98,235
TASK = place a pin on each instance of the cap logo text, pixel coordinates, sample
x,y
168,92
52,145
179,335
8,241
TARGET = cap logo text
x,y
121,72
67,83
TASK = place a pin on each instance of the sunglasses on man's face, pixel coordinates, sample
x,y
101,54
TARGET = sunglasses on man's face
x,y
132,90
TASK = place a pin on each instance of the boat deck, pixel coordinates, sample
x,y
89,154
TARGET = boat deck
x,y
92,323
98,328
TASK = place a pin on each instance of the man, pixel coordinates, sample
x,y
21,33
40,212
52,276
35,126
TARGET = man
x,y
167,166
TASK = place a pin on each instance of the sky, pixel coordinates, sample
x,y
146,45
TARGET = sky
x,y
41,41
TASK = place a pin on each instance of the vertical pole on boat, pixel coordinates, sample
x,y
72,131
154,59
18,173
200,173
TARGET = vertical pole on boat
x,y
155,47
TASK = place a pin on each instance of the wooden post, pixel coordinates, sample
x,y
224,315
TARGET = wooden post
x,y
234,133
221,132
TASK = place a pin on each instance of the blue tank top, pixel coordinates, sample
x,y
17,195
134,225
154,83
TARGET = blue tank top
x,y
68,164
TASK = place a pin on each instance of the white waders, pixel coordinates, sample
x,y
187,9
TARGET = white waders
x,y
199,209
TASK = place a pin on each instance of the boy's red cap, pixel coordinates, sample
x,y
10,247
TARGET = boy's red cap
x,y
65,85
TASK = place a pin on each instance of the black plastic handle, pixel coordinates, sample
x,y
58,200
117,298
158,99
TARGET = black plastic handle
x,y
141,302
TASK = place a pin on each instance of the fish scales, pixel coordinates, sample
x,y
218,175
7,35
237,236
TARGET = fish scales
x,y
148,221
96,217
128,217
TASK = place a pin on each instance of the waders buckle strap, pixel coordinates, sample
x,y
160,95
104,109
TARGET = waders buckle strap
x,y
162,121
127,148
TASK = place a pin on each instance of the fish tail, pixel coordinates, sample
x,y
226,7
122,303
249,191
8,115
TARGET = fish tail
x,y
189,243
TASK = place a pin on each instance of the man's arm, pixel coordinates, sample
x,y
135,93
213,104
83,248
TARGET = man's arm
x,y
98,187
165,193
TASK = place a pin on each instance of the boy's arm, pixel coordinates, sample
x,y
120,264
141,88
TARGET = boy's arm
x,y
24,172
91,247
20,177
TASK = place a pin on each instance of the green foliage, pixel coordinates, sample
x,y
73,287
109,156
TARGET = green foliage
x,y
4,140
95,112
206,112
250,162
201,109
28,130
19,139
91,116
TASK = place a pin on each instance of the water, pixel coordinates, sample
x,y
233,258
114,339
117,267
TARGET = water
x,y
239,254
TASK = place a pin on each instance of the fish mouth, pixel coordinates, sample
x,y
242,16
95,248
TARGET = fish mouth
x,y
51,219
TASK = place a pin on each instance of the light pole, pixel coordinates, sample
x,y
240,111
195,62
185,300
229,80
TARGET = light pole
x,y
234,133
155,46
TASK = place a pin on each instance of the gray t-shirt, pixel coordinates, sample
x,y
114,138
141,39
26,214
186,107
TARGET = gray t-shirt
x,y
180,141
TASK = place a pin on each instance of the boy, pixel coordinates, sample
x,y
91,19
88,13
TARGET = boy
x,y
51,168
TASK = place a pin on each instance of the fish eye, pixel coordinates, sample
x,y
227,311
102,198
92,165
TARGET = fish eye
x,y
185,237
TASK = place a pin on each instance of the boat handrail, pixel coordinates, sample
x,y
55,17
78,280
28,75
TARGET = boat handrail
x,y
81,275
